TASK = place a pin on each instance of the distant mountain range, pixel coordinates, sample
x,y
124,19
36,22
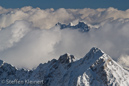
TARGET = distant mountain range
x,y
81,26
95,69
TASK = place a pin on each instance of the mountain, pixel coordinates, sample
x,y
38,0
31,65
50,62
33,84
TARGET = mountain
x,y
81,26
95,69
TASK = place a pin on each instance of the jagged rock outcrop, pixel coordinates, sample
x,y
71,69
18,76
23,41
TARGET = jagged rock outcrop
x,y
81,26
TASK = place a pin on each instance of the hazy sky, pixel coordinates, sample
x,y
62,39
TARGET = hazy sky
x,y
43,4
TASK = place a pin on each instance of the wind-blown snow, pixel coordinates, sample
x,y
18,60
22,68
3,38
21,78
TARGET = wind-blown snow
x,y
28,36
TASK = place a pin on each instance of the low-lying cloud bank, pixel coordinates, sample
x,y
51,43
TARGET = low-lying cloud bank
x,y
45,19
28,36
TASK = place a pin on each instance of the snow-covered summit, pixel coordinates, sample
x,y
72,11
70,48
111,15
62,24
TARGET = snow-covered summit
x,y
81,26
66,58
94,53
105,69
95,69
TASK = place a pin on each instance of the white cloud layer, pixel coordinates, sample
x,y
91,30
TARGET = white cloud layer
x,y
124,60
28,36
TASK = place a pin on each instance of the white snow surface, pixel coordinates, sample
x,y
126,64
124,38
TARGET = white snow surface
x,y
95,69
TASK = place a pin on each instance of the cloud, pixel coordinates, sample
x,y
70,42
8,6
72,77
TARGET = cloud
x,y
45,19
12,34
3,10
123,60
28,35
27,47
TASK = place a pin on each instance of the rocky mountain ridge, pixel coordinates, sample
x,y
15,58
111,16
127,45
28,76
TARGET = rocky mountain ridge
x,y
81,26
95,69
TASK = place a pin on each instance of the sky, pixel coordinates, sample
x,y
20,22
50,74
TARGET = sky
x,y
75,4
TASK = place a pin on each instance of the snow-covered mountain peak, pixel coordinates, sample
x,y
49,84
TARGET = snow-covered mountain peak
x,y
96,58
81,26
104,70
95,50
94,53
66,58
95,69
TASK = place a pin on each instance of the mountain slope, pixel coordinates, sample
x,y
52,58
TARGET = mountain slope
x,y
94,69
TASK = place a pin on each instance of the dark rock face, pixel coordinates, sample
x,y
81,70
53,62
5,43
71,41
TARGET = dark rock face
x,y
66,58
